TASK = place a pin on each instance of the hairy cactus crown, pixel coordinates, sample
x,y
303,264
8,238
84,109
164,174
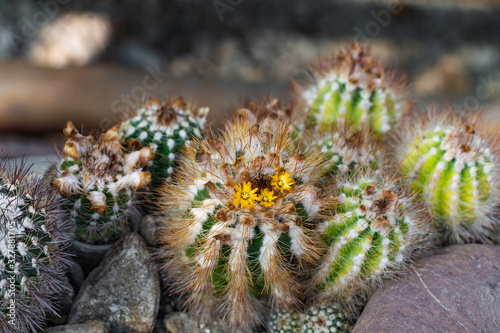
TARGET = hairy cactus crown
x,y
164,127
353,89
374,228
32,249
452,163
99,181
235,220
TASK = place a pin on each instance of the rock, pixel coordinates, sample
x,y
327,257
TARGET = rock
x,y
147,229
75,275
123,290
180,322
457,290
95,326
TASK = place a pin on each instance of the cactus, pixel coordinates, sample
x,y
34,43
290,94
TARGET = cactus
x,y
32,249
100,184
371,234
452,163
164,127
353,89
234,230
328,319
346,150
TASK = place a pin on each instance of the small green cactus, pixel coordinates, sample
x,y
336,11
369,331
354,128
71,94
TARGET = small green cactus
x,y
33,241
99,183
164,127
327,319
234,230
353,89
451,163
373,229
346,151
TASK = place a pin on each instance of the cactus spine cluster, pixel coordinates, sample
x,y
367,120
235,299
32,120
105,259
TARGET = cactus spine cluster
x,y
237,213
329,319
353,89
32,249
99,182
164,127
373,229
451,162
346,150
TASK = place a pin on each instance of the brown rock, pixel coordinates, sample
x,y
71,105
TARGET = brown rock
x,y
457,290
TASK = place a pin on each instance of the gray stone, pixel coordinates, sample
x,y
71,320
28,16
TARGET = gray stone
x,y
457,290
123,290
180,322
147,229
75,275
95,326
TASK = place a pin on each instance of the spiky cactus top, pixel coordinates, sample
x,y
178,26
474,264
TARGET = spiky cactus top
x,y
235,215
452,162
32,249
353,88
99,182
165,127
371,233
329,319
268,113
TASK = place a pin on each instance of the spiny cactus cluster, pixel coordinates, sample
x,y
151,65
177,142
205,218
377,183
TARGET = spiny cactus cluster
x,y
99,182
328,319
236,213
32,249
371,234
451,161
164,127
355,89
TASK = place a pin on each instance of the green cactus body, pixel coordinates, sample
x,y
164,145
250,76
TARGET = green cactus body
x,y
372,230
235,234
99,183
315,320
353,90
165,127
347,151
453,169
32,243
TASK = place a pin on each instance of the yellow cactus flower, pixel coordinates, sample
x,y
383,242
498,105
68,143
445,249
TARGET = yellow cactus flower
x,y
282,181
266,198
244,195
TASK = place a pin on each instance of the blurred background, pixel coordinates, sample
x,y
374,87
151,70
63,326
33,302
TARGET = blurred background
x,y
87,61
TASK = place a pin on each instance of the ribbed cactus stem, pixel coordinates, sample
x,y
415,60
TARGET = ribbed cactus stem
x,y
234,231
165,127
370,235
353,89
99,182
454,169
32,250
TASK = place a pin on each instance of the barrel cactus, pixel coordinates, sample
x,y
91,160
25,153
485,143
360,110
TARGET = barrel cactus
x,y
328,319
164,127
353,88
346,150
452,163
234,233
33,244
371,235
99,182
